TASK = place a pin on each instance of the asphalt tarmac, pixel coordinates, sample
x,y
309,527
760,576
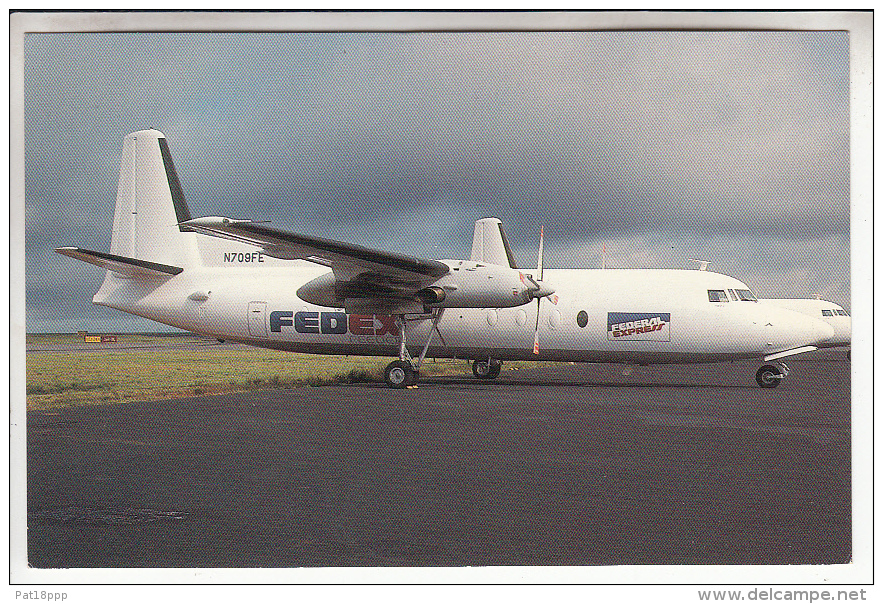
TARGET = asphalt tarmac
x,y
570,465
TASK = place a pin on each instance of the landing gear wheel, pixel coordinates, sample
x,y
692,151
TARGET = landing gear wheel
x,y
400,374
768,376
486,370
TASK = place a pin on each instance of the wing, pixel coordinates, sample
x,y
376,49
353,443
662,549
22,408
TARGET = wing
x,y
131,267
388,272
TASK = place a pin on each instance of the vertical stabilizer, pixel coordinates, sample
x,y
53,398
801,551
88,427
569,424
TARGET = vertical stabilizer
x,y
150,204
489,243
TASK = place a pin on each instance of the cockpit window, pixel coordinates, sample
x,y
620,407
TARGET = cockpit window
x,y
746,295
827,313
717,295
842,313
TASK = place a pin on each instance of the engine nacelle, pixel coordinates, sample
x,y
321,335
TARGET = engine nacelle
x,y
468,285
320,291
432,295
478,285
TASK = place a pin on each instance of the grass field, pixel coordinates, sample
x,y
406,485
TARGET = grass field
x,y
59,376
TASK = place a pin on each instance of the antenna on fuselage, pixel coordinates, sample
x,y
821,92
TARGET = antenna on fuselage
x,y
703,264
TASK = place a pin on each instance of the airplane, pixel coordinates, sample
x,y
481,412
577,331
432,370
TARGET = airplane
x,y
832,314
244,281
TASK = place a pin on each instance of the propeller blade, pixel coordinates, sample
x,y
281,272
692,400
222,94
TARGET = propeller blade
x,y
540,258
536,331
539,294
536,287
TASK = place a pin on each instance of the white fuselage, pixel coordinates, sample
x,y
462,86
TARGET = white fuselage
x,y
242,280
630,316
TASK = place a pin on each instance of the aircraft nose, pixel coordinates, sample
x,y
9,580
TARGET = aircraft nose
x,y
821,331
789,329
842,332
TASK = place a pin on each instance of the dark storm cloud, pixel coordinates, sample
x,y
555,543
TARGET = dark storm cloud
x,y
732,144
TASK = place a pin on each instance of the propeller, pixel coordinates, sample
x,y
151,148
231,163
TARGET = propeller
x,y
541,291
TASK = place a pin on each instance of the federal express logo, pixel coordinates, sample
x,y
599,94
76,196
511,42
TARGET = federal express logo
x,y
632,326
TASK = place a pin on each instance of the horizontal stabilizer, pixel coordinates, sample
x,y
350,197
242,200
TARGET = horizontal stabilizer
x,y
120,264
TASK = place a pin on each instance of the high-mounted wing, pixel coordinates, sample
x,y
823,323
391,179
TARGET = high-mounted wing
x,y
349,262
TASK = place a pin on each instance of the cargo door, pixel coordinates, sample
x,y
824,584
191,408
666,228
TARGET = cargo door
x,y
257,321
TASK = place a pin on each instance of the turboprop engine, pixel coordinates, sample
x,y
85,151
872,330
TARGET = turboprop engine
x,y
468,285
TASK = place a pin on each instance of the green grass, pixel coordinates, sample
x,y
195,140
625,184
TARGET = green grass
x,y
106,376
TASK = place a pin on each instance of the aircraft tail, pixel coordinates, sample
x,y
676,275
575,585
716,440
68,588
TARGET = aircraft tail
x,y
150,205
489,243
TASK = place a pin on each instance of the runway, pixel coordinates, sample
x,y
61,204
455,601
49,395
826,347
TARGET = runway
x,y
570,465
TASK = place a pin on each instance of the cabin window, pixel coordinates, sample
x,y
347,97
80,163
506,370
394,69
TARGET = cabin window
x,y
717,295
827,313
582,319
746,295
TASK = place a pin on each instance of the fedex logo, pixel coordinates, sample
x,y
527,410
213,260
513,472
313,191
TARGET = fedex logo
x,y
333,323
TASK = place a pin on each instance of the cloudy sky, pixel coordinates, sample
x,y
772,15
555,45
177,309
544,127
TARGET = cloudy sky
x,y
731,147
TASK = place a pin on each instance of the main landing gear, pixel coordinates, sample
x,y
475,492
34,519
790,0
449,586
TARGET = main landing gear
x,y
405,373
486,370
401,374
769,376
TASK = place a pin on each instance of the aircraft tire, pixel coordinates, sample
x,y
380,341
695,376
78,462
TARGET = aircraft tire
x,y
768,376
485,370
400,374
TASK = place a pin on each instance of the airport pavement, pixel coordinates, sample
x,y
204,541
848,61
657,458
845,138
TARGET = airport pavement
x,y
569,465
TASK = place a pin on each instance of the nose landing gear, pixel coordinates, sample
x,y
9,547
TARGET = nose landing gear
x,y
769,376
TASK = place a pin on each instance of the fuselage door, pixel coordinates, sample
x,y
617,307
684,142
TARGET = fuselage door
x,y
257,322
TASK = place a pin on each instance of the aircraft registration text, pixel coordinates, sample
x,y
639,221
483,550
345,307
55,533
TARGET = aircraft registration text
x,y
243,257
